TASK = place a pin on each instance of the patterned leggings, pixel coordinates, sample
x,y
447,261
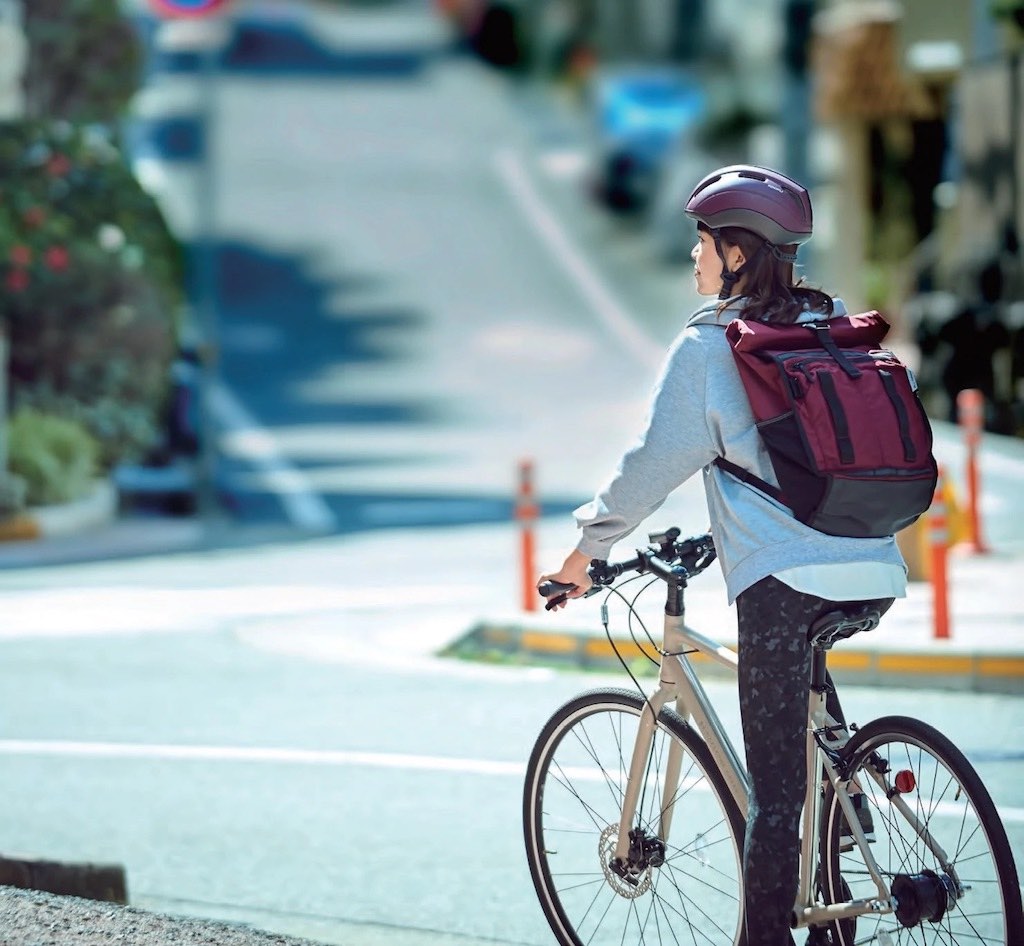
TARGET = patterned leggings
x,y
774,675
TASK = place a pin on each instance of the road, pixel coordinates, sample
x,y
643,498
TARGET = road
x,y
412,300
265,768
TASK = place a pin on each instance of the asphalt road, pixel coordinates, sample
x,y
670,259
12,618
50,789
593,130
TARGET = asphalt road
x,y
240,769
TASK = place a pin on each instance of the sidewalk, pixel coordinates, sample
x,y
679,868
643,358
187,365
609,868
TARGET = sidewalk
x,y
984,652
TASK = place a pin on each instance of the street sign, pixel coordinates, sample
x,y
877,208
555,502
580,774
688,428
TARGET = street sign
x,y
188,8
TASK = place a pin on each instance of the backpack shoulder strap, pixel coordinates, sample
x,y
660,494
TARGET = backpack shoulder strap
x,y
750,479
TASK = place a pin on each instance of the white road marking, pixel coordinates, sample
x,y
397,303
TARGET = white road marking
x,y
304,507
146,607
274,755
591,286
564,163
333,757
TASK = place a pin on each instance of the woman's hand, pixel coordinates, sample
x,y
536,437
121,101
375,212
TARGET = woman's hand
x,y
572,572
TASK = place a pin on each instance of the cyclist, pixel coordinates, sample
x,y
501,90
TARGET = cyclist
x,y
781,573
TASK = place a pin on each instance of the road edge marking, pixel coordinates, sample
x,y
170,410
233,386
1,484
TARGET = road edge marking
x,y
305,508
612,313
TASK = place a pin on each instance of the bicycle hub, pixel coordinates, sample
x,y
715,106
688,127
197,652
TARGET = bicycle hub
x,y
924,896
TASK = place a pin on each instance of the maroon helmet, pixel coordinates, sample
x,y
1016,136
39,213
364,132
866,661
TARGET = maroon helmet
x,y
766,202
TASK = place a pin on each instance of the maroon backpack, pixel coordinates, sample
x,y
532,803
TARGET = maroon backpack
x,y
840,418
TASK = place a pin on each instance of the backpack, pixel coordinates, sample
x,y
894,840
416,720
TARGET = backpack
x,y
848,438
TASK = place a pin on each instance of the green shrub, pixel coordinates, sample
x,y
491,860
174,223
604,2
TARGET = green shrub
x,y
56,457
92,284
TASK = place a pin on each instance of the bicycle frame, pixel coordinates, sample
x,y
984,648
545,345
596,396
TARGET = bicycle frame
x,y
678,682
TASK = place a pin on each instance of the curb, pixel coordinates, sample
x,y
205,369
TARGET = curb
x,y
104,882
20,527
982,672
97,509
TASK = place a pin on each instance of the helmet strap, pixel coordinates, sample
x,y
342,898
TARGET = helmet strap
x,y
731,277
729,280
728,276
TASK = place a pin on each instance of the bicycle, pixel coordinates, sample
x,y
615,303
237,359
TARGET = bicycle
x,y
634,809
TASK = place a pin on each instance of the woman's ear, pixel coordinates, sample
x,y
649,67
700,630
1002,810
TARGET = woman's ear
x,y
735,258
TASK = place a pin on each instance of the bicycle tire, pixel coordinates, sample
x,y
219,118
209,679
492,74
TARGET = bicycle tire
x,y
575,782
949,798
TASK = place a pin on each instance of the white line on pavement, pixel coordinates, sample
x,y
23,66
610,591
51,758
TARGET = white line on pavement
x,y
304,507
590,285
328,757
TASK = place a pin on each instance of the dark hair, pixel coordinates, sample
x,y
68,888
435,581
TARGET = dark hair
x,y
768,281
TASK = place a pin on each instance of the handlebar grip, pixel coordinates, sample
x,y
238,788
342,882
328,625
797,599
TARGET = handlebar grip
x,y
556,593
549,588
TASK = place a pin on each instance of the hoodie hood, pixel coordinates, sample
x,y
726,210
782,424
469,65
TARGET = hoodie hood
x,y
721,313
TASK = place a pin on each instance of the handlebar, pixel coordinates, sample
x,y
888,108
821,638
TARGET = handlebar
x,y
667,557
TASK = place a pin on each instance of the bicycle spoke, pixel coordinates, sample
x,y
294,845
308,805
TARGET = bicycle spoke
x,y
615,788
584,804
712,920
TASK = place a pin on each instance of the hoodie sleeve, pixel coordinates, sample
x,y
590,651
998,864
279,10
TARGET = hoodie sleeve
x,y
676,443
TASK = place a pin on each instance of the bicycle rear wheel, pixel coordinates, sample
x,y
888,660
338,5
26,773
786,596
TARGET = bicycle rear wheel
x,y
969,896
687,889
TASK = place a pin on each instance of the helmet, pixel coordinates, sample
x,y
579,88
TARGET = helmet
x,y
770,204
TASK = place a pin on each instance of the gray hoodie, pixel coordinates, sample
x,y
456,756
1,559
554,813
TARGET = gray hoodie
x,y
700,411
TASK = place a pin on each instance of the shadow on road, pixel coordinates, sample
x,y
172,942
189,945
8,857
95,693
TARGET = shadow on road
x,y
282,327
287,337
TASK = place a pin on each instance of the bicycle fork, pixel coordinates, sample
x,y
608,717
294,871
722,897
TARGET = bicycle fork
x,y
635,851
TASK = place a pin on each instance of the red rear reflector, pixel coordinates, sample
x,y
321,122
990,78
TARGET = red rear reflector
x,y
905,781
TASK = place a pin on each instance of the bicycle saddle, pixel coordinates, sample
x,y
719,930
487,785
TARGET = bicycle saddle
x,y
837,625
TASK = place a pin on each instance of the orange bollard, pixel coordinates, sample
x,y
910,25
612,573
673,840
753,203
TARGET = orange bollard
x,y
938,540
527,512
970,406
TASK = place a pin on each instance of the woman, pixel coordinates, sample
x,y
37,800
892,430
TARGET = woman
x,y
781,573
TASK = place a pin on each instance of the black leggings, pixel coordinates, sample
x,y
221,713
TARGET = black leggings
x,y
774,677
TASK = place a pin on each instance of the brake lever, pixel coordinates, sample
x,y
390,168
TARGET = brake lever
x,y
561,590
556,601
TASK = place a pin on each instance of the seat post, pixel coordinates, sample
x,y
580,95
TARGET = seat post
x,y
819,681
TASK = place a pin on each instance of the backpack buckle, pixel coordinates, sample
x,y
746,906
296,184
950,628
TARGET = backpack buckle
x,y
824,336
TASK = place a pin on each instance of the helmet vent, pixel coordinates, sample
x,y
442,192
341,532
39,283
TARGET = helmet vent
x,y
763,201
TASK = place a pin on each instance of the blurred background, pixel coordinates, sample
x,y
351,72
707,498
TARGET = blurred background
x,y
260,218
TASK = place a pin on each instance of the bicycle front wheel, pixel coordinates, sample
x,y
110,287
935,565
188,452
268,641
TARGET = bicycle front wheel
x,y
685,887
938,842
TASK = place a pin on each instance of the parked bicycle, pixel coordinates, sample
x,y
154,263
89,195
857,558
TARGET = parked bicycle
x,y
634,807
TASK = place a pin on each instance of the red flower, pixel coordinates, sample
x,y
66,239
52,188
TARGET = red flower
x,y
21,255
17,280
35,216
56,257
58,165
